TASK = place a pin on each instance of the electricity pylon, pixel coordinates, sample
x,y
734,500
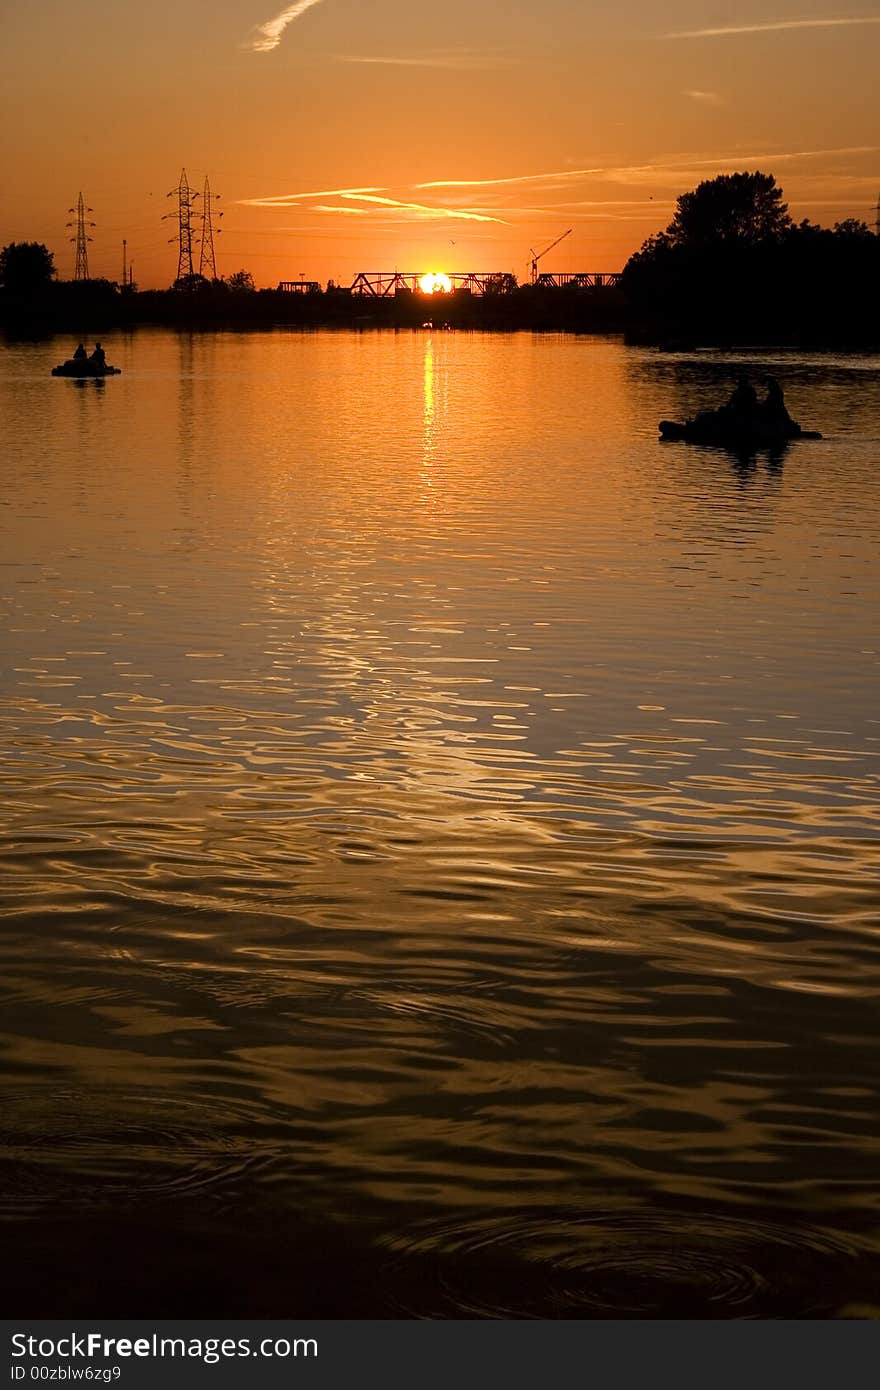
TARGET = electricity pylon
x,y
82,238
207,260
184,239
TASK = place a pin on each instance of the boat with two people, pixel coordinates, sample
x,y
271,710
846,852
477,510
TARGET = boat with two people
x,y
743,423
83,364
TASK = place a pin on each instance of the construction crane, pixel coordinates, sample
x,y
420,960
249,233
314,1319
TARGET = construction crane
x,y
537,255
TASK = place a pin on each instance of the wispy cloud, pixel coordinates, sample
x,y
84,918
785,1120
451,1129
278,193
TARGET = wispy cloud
x,y
456,60
772,26
512,178
671,164
268,36
705,98
494,201
683,170
421,208
741,158
419,211
291,200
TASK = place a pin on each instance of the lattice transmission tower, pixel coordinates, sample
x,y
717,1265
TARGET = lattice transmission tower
x,y
82,238
207,259
184,238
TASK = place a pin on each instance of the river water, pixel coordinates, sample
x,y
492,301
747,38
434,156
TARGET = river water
x,y
438,833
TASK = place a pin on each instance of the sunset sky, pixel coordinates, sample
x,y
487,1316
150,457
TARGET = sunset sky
x,y
346,135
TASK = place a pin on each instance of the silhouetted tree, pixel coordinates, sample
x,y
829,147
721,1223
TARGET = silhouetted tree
x,y
732,266
26,267
747,208
191,284
241,280
852,227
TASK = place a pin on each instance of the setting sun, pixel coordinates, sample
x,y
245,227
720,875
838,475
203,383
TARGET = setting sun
x,y
435,282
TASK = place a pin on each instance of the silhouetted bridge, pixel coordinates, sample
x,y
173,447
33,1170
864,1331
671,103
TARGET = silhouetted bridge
x,y
384,284
299,287
579,280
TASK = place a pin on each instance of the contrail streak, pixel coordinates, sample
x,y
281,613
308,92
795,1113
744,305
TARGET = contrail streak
x,y
366,195
514,178
670,163
291,199
708,98
456,61
771,27
420,207
268,36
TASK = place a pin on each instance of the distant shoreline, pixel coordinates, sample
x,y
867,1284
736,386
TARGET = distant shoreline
x,y
96,309
46,328
84,309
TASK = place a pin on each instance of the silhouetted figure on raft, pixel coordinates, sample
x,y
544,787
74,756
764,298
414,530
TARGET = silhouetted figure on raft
x,y
744,400
740,411
83,365
773,408
743,423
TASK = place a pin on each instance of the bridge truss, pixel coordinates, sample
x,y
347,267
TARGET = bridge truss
x,y
383,284
578,280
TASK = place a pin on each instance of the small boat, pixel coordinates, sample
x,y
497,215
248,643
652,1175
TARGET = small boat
x,y
85,369
716,427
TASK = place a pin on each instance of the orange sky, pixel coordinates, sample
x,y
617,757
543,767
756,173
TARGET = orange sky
x,y
347,136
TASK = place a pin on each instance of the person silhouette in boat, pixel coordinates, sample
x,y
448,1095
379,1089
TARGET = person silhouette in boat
x,y
743,403
773,407
98,358
80,355
739,413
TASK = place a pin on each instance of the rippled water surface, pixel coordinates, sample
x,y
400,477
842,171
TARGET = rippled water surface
x,y
438,834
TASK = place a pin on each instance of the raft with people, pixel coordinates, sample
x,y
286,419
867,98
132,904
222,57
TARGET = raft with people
x,y
83,364
745,422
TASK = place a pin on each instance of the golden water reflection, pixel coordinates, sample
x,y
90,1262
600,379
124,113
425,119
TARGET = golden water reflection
x,y
430,809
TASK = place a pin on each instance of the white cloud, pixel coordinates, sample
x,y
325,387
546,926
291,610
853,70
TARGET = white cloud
x,y
268,36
